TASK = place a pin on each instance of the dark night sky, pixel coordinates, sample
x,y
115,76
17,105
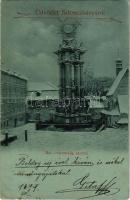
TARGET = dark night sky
x,y
29,44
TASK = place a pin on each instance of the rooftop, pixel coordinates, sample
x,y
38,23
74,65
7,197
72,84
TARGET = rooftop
x,y
117,81
15,74
123,104
41,86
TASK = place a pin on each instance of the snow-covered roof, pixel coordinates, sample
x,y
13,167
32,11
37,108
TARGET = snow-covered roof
x,y
113,112
117,81
12,73
123,120
41,86
123,104
44,95
96,104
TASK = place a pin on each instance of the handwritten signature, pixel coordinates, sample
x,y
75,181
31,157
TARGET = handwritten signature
x,y
92,187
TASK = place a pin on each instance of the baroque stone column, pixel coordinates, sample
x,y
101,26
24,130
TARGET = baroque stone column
x,y
62,80
81,80
68,79
76,79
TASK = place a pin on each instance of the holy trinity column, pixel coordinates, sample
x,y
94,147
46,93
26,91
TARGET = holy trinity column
x,y
71,65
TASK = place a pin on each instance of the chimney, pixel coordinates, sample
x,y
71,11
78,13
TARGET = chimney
x,y
119,66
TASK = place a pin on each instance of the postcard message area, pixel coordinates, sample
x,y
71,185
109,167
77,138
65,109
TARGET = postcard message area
x,y
55,175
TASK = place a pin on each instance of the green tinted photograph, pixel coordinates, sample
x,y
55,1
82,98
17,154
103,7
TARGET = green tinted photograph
x,y
64,99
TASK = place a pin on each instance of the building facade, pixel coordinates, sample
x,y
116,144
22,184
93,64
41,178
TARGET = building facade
x,y
13,99
41,99
117,97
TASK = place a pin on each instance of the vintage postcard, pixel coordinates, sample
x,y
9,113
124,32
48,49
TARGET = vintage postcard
x,y
64,99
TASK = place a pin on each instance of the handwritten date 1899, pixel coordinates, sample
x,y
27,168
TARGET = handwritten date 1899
x,y
26,188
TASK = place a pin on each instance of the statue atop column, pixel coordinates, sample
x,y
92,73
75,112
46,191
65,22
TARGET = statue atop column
x,y
70,62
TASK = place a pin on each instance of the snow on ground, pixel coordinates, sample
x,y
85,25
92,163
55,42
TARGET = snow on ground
x,y
104,146
109,139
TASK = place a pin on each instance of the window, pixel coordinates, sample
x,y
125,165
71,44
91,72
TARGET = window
x,y
38,94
